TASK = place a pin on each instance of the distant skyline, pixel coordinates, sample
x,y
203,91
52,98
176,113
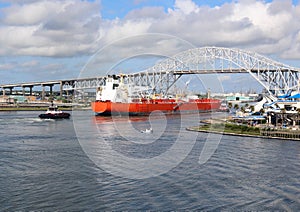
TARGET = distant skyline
x,y
57,39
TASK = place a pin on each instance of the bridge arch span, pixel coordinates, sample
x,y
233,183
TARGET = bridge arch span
x,y
276,77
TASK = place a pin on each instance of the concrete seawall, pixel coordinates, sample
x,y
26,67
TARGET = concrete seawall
x,y
295,136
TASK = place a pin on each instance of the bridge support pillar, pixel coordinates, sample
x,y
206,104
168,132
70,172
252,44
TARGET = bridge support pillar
x,y
43,92
61,89
30,90
51,90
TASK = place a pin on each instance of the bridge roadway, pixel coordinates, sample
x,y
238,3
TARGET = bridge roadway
x,y
67,85
94,82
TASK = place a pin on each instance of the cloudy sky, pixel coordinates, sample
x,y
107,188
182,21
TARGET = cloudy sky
x,y
57,39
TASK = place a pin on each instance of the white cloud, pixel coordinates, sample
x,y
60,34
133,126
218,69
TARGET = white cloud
x,y
63,28
292,51
224,78
186,6
30,14
120,30
50,28
146,13
30,64
6,66
273,23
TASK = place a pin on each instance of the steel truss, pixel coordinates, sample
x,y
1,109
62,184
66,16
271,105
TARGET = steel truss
x,y
276,77
88,83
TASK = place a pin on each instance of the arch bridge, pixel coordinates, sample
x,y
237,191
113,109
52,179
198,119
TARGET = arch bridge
x,y
276,77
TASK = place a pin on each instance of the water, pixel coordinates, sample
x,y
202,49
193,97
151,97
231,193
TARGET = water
x,y
43,167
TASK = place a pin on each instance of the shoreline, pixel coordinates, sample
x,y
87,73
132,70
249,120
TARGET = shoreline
x,y
275,134
11,109
39,108
240,135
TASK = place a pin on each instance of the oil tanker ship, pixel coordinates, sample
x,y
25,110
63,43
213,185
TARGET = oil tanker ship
x,y
117,98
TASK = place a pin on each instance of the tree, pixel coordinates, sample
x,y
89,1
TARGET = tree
x,y
261,111
243,109
236,107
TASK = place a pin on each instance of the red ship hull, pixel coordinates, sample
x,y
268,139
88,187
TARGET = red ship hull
x,y
148,106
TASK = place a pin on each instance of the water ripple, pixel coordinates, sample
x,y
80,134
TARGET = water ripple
x,y
43,168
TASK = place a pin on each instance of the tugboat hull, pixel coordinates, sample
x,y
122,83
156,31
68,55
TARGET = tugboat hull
x,y
55,116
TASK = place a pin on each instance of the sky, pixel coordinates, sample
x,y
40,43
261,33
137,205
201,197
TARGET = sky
x,y
43,40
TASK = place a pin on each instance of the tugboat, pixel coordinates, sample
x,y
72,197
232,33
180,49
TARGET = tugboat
x,y
54,113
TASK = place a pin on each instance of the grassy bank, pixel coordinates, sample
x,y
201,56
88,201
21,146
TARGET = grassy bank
x,y
23,108
30,108
243,130
228,128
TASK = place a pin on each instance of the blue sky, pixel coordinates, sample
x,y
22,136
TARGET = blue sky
x,y
46,40
119,8
113,9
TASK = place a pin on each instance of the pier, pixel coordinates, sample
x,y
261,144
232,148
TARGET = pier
x,y
292,135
